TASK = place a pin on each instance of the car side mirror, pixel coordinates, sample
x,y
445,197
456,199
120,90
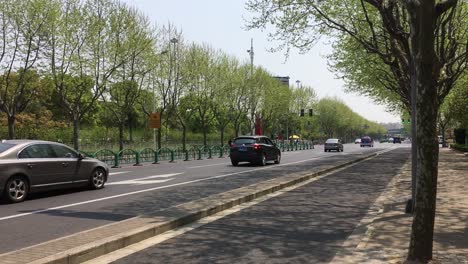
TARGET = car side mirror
x,y
81,156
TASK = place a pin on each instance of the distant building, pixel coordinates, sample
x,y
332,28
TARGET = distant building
x,y
284,80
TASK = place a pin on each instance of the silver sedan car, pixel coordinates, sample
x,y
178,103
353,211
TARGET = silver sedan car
x,y
31,166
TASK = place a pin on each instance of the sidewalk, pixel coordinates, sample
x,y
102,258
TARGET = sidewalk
x,y
386,235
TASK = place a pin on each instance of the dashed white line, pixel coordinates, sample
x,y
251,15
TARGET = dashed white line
x,y
117,172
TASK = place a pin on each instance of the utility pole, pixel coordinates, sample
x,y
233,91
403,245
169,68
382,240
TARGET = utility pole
x,y
251,53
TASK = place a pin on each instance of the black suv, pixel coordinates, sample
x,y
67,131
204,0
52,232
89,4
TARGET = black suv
x,y
254,149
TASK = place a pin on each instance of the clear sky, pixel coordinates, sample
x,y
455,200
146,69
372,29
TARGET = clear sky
x,y
220,23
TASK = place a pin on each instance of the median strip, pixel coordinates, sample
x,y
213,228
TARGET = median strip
x,y
94,243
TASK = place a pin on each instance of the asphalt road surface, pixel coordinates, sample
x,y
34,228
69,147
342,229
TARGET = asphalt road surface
x,y
306,225
133,191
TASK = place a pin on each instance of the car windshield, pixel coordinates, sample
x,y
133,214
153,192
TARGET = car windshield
x,y
5,146
247,141
332,140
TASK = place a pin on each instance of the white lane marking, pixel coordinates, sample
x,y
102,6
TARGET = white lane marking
x,y
138,182
146,178
157,188
161,176
117,172
153,241
217,164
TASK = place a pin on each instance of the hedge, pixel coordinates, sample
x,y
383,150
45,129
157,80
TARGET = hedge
x,y
459,147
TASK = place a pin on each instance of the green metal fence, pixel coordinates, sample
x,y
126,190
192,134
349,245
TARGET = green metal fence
x,y
146,155
107,156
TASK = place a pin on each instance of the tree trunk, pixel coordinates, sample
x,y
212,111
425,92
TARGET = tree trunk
x,y
76,133
11,127
159,138
221,130
130,128
237,128
422,24
184,138
204,135
121,135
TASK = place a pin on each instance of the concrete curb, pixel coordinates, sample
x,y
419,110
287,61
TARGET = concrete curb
x,y
171,218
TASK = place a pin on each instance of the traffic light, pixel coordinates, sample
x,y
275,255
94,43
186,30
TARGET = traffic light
x,y
302,112
311,112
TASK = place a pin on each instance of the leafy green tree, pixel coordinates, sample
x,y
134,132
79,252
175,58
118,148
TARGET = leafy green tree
x,y
454,111
238,87
275,105
84,42
199,71
123,96
22,25
165,76
328,118
221,104
456,105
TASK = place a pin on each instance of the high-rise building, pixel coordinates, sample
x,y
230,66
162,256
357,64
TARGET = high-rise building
x,y
283,79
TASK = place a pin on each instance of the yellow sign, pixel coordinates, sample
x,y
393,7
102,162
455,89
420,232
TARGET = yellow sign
x,y
155,120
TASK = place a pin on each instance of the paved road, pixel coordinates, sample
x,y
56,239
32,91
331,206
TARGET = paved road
x,y
306,225
133,191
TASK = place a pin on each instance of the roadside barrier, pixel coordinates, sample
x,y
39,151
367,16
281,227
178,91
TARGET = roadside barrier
x,y
129,156
107,156
149,155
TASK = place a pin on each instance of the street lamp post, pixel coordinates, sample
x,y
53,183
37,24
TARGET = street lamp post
x,y
154,102
251,53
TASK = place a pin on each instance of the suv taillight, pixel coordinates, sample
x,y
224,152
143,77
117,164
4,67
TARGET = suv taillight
x,y
257,146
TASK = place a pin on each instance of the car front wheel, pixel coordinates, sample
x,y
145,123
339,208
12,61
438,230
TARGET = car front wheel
x,y
98,178
17,189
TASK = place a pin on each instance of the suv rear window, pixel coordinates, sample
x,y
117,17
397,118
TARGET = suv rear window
x,y
240,141
5,146
366,140
332,140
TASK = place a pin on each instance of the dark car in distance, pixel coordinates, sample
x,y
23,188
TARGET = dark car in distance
x,y
333,144
396,140
28,166
254,149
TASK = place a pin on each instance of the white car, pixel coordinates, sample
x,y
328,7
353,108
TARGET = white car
x,y
357,141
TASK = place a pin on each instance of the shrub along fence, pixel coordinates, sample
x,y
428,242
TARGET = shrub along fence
x,y
459,147
148,155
